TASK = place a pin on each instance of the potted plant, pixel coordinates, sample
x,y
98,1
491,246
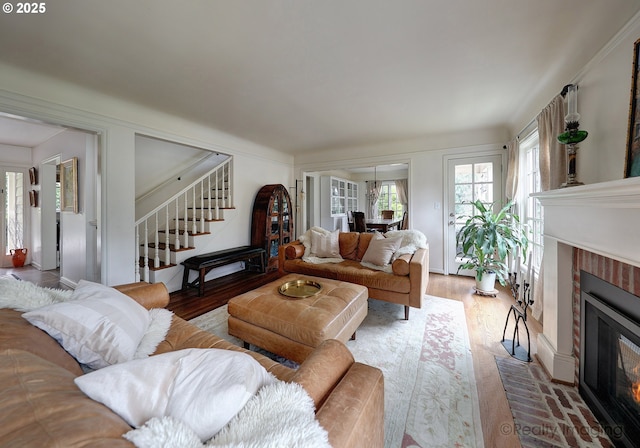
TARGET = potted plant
x,y
485,240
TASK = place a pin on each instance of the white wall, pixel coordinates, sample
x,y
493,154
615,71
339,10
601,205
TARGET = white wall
x,y
17,156
603,104
117,122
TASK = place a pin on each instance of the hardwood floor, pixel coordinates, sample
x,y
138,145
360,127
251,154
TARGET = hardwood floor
x,y
485,322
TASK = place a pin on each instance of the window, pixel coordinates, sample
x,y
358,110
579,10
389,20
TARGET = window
x,y
14,210
530,209
388,199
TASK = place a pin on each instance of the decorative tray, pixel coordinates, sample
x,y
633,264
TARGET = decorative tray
x,y
299,289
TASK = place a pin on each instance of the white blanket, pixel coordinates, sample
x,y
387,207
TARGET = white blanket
x,y
280,415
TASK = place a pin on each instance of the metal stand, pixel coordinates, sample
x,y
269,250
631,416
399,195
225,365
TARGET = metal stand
x,y
519,311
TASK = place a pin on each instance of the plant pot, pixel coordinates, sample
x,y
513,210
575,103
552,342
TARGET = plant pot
x,y
18,257
488,282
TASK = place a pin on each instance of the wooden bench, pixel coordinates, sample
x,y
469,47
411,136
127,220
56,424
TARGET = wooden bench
x,y
205,262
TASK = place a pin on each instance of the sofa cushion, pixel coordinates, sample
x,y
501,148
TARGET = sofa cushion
x,y
381,250
99,327
353,272
363,243
204,388
349,245
41,406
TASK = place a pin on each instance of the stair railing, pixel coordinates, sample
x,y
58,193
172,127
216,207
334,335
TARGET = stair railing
x,y
206,197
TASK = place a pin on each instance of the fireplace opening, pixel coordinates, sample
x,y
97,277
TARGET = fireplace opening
x,y
610,357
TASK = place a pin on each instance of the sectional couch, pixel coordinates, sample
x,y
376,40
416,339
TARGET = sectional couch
x,y
403,281
42,406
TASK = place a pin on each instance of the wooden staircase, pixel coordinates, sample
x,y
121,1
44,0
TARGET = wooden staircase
x,y
182,226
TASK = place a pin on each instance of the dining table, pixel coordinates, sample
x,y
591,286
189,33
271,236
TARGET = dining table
x,y
383,225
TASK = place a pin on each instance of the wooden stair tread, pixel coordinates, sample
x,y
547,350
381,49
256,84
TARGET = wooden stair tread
x,y
181,232
162,266
172,247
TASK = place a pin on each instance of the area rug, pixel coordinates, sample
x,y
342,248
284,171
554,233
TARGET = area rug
x,y
431,398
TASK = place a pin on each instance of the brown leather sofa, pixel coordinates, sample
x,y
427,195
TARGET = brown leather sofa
x,y
405,285
41,405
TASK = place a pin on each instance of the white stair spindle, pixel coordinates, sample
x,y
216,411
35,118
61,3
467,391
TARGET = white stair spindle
x,y
202,206
209,215
217,194
229,183
167,249
156,243
194,226
185,239
146,251
177,225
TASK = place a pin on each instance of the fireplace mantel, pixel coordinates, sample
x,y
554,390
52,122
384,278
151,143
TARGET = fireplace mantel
x,y
603,218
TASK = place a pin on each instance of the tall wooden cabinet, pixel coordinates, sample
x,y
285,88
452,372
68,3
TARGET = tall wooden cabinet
x,y
272,221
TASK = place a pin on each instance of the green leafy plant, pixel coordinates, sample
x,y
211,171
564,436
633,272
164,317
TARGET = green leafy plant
x,y
487,237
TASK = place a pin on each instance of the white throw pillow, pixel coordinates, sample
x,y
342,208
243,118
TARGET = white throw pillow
x,y
204,388
380,250
325,245
99,327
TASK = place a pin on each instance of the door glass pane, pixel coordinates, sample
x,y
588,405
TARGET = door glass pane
x,y
464,193
484,192
483,172
463,174
14,211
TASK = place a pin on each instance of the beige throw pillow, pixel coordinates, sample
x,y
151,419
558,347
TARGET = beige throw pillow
x,y
99,326
325,245
381,250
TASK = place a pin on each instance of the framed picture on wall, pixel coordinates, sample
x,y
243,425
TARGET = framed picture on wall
x,y
632,163
33,198
33,176
69,185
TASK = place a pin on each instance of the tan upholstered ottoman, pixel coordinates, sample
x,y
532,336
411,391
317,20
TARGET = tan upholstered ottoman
x,y
292,328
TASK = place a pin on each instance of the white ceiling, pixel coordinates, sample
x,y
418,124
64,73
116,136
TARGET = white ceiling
x,y
300,75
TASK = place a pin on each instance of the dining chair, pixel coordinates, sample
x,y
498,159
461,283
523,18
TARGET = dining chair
x,y
387,214
404,224
358,221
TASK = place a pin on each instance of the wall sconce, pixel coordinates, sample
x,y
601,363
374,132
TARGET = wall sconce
x,y
572,135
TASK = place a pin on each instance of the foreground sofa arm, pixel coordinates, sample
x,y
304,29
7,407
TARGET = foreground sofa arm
x,y
149,295
418,276
349,396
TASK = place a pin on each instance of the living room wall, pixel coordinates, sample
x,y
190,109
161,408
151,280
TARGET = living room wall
x,y
117,121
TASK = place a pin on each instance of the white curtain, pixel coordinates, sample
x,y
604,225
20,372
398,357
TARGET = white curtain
x,y
373,192
401,189
553,172
513,165
553,156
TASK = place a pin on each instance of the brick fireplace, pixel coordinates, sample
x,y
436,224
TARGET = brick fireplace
x,y
596,227
622,275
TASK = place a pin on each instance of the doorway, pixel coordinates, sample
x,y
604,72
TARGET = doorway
x,y
469,179
13,212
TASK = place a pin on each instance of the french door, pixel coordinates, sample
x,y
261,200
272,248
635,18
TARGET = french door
x,y
469,179
12,212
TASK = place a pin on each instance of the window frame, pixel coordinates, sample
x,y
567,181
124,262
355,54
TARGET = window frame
x,y
529,208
